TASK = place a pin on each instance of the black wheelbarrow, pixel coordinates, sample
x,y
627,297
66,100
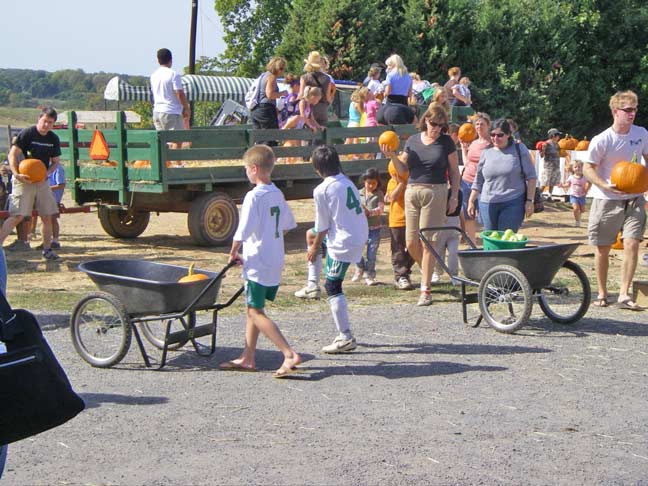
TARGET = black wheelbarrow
x,y
509,281
136,293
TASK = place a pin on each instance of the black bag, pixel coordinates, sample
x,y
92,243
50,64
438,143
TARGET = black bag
x,y
459,203
35,394
538,204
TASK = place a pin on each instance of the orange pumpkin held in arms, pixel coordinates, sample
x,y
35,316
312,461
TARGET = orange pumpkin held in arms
x,y
467,132
630,177
34,169
389,138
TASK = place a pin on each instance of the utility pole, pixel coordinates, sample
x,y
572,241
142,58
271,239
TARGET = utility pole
x,y
192,48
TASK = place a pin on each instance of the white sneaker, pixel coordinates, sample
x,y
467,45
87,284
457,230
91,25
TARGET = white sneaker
x,y
371,282
309,292
356,275
340,345
424,299
404,284
435,278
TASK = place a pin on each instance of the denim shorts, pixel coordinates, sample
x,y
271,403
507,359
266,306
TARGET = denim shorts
x,y
580,200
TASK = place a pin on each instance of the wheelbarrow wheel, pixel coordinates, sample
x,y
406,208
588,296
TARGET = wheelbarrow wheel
x,y
101,329
567,298
154,331
505,298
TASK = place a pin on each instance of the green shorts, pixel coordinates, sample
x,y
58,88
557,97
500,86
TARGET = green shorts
x,y
334,269
256,294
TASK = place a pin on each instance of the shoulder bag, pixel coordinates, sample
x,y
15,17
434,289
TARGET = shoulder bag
x,y
35,394
538,205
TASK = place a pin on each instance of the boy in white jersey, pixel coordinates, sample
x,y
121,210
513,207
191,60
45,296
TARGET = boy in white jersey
x,y
264,217
340,218
613,210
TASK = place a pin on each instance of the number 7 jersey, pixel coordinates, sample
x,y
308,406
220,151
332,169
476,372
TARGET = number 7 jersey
x,y
338,211
265,216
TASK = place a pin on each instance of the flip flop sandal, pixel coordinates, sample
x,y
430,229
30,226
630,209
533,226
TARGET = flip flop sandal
x,y
283,372
231,366
628,304
600,302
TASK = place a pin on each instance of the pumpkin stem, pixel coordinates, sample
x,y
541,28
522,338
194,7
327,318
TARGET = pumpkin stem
x,y
634,158
191,268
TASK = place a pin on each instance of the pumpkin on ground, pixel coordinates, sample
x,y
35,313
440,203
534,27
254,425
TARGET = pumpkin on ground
x,y
389,138
191,276
34,169
582,145
630,176
467,132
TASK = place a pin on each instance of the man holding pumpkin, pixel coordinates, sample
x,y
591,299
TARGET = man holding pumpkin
x,y
37,142
618,203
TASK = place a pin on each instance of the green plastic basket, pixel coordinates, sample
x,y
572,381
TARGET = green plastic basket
x,y
493,244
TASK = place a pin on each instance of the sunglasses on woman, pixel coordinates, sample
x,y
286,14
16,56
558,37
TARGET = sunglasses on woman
x,y
434,124
497,135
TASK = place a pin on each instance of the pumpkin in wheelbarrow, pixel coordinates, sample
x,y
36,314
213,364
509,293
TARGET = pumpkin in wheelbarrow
x,y
34,169
191,276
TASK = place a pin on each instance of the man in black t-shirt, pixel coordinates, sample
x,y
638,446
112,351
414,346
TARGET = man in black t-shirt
x,y
37,142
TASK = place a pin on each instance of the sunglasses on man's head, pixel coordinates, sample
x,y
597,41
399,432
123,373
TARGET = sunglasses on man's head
x,y
630,109
497,135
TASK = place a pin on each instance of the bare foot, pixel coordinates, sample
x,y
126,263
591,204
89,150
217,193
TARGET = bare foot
x,y
239,364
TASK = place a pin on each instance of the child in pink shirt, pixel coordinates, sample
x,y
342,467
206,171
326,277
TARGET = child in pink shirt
x,y
578,187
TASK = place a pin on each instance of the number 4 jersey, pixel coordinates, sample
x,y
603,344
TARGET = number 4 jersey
x,y
264,217
338,211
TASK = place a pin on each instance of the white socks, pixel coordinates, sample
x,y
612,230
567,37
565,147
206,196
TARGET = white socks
x,y
338,305
315,270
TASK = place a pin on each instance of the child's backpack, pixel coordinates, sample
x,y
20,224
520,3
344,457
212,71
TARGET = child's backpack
x,y
252,95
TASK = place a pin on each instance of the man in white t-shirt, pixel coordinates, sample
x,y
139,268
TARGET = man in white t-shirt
x,y
612,210
264,218
340,219
170,105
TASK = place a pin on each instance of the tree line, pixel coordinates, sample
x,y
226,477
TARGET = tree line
x,y
545,63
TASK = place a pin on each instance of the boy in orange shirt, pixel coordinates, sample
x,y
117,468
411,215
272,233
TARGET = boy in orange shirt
x,y
401,260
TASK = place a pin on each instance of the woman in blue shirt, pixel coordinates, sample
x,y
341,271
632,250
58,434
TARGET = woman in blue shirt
x,y
398,89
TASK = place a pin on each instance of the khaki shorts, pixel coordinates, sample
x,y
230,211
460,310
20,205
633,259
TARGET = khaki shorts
x,y
608,217
425,206
24,198
167,121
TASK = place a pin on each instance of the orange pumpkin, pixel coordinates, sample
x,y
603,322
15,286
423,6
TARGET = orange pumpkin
x,y
618,244
34,169
630,177
562,152
192,277
582,145
389,138
109,163
142,164
467,132
568,143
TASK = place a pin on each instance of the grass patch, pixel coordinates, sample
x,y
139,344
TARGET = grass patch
x,y
55,301
18,117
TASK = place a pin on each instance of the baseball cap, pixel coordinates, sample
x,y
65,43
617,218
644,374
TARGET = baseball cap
x,y
553,131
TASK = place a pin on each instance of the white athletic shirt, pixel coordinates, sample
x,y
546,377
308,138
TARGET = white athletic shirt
x,y
607,148
338,210
264,218
164,83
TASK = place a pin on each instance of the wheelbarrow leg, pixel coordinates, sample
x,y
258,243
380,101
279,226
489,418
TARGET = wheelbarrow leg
x,y
468,298
140,345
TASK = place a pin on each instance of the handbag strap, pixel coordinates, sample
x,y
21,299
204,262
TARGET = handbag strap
x,y
9,326
519,154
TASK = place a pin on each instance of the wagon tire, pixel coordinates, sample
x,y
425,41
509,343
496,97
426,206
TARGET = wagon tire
x,y
555,299
98,320
213,218
505,298
154,332
120,223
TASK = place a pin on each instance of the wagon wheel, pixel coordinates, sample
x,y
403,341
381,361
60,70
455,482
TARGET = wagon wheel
x,y
567,298
505,298
101,329
120,223
154,331
213,219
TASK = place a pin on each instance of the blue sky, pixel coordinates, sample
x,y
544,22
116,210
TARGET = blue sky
x,y
120,36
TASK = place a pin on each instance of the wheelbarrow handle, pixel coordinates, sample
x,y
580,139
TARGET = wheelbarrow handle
x,y
443,228
209,285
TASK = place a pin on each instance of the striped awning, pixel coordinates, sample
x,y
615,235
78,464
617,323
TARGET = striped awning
x,y
196,87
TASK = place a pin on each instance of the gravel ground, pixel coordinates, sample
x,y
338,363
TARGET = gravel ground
x,y
424,400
